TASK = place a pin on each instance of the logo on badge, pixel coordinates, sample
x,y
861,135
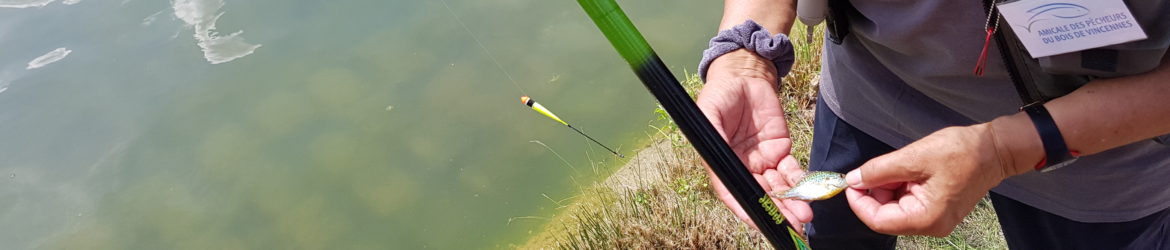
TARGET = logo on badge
x,y
1055,11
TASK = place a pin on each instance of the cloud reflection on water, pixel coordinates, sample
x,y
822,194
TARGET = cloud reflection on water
x,y
202,15
24,3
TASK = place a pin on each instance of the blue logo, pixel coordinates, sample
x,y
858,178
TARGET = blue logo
x,y
1055,11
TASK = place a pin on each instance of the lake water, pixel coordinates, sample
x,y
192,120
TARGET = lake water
x,y
293,124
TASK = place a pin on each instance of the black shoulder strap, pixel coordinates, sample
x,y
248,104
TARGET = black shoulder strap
x,y
837,23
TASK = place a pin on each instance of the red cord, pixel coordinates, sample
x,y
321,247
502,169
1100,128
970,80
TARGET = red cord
x,y
983,55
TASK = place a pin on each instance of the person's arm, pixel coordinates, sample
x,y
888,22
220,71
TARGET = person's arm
x,y
928,186
739,98
1102,115
775,15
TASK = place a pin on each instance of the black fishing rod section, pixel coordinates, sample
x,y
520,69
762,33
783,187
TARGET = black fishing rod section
x,y
626,39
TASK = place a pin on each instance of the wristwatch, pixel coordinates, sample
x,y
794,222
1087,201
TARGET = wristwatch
x,y
1056,152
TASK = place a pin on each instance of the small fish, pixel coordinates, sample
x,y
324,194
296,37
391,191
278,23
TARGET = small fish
x,y
814,186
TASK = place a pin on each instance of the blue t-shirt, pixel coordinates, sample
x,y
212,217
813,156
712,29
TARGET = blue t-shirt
x,y
905,71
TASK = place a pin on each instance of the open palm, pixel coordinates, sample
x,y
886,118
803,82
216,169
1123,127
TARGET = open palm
x,y
748,114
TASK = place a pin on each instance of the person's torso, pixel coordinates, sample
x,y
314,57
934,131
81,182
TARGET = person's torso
x,y
906,70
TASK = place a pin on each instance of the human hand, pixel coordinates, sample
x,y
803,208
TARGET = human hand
x,y
740,101
927,187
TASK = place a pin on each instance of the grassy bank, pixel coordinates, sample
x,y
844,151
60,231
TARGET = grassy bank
x,y
662,198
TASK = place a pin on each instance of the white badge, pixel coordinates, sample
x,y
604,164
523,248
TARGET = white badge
x,y
1051,27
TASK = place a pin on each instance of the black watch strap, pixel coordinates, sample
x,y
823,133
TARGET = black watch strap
x,y
1056,152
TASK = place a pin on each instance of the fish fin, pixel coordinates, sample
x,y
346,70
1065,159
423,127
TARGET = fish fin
x,y
779,194
788,195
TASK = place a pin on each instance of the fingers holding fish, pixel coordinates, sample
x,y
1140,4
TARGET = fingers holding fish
x,y
814,186
797,210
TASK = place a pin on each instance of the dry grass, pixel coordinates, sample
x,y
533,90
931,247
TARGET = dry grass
x,y
979,230
662,199
799,88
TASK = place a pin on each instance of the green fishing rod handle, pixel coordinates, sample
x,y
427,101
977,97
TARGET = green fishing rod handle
x,y
630,44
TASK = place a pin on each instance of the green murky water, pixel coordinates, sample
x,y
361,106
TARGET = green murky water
x,y
324,124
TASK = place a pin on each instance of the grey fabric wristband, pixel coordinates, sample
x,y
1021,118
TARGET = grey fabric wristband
x,y
753,37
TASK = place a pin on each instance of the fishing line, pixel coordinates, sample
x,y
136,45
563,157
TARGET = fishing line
x,y
484,48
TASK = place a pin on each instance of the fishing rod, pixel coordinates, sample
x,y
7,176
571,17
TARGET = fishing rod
x,y
540,109
628,42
